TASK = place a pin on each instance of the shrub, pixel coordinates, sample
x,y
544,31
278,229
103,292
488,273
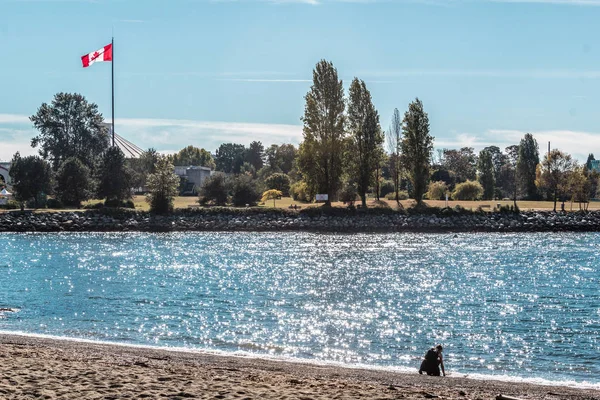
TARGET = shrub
x,y
94,206
469,190
301,192
11,205
437,190
113,203
214,190
402,195
279,182
245,191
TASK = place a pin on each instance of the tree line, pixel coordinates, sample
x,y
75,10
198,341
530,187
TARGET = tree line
x,y
344,154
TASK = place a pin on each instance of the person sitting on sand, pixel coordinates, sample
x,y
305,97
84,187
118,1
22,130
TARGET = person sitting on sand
x,y
433,361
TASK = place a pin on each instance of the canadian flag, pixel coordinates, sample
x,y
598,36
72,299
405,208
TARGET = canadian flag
x,y
104,54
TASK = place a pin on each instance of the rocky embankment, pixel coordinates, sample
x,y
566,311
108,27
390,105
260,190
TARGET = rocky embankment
x,y
255,220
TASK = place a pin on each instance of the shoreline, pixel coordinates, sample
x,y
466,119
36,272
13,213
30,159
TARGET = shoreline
x,y
317,220
50,368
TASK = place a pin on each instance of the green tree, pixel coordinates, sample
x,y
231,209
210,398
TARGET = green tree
x,y
286,156
214,189
462,163
248,169
485,166
364,152
193,156
272,159
229,157
300,191
321,152
244,191
31,178
255,154
394,144
417,146
280,158
279,182
70,127
508,173
498,158
163,186
114,178
526,166
552,173
73,182
368,143
142,167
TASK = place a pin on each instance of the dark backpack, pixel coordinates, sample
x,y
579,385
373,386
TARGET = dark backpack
x,y
431,355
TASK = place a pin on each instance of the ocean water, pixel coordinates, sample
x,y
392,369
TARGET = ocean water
x,y
505,306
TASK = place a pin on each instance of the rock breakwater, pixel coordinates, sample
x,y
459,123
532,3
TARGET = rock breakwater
x,y
282,220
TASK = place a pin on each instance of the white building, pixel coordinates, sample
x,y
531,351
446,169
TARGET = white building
x,y
195,177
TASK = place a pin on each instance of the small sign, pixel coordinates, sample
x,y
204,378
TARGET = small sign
x,y
322,197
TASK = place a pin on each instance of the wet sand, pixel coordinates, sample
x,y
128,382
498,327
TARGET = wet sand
x,y
40,368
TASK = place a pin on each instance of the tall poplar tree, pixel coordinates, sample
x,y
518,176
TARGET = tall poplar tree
x,y
365,148
394,144
417,147
320,154
527,163
486,177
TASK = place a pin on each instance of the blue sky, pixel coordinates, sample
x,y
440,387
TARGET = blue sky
x,y
204,72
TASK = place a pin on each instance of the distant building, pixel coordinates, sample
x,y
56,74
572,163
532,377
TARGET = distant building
x,y
194,176
595,165
4,169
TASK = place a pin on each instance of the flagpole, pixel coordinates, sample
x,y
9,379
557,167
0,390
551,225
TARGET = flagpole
x,y
113,90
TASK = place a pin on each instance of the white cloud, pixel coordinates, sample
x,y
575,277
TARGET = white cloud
x,y
172,135
488,73
264,80
564,2
578,144
428,2
13,119
165,135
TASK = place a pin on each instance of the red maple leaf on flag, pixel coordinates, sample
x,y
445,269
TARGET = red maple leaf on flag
x,y
95,55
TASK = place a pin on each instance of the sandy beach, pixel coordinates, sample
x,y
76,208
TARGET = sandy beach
x,y
40,368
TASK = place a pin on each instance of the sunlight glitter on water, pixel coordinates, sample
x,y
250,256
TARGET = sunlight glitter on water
x,y
523,305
